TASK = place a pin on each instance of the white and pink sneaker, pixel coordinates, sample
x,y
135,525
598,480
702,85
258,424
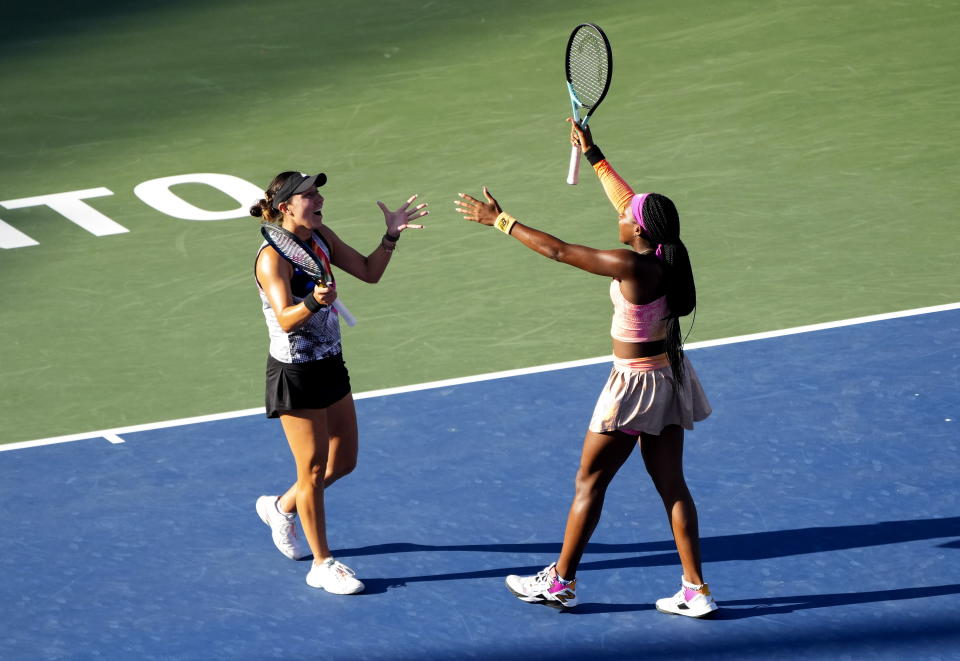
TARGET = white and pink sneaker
x,y
546,587
692,601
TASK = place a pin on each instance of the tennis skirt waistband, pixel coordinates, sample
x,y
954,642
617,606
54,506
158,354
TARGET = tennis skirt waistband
x,y
642,364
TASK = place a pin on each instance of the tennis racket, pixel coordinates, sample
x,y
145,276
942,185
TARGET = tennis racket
x,y
299,254
589,64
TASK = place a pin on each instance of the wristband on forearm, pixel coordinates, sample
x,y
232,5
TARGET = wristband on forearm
x,y
505,222
311,303
594,155
389,243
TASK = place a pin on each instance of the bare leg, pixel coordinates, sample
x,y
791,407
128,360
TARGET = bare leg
x,y
288,501
601,458
344,444
663,457
306,432
342,450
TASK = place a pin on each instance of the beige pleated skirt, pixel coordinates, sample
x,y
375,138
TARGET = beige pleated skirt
x,y
640,397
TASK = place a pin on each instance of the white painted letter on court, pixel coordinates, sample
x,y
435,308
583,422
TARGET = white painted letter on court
x,y
10,237
71,206
158,195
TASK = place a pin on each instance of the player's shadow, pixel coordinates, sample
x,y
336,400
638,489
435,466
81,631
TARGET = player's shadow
x,y
721,548
738,609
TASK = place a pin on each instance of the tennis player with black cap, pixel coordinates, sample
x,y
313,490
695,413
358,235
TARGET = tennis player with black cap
x,y
308,386
295,185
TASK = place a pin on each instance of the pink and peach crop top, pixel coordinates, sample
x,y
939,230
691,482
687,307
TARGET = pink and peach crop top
x,y
631,322
637,323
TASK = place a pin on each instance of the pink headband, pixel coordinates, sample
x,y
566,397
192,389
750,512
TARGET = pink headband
x,y
636,206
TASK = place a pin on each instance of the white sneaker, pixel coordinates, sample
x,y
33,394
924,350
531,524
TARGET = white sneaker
x,y
333,576
691,600
284,527
544,588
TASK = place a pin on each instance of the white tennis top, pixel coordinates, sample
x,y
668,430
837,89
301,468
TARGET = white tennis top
x,y
318,338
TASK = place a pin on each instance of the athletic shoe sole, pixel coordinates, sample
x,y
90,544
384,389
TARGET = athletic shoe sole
x,y
698,616
319,586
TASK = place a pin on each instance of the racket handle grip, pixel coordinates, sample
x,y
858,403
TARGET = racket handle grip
x,y
344,313
573,176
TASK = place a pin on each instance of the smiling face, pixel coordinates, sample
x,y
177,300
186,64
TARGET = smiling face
x,y
303,211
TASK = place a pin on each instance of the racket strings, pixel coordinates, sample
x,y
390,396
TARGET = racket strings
x,y
588,66
295,253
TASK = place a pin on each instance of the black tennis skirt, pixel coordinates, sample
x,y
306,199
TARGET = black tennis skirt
x,y
312,385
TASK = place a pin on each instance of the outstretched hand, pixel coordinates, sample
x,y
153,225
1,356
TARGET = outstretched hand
x,y
475,210
399,220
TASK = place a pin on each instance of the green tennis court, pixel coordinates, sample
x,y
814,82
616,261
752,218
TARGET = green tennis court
x,y
811,147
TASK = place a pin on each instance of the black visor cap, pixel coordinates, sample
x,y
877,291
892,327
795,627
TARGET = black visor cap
x,y
297,184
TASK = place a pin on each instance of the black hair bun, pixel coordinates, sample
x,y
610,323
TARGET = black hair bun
x,y
257,209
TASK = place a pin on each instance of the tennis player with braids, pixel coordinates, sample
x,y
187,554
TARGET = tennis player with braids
x,y
653,393
308,387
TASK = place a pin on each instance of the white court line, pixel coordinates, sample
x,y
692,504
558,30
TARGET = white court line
x,y
114,435
115,432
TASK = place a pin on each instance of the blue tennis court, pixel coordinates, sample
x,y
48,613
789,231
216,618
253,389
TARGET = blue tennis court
x,y
826,482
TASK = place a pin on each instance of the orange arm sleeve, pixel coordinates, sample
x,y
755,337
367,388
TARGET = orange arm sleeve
x,y
618,191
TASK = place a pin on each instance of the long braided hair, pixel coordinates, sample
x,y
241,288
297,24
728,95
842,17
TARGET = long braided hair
x,y
661,224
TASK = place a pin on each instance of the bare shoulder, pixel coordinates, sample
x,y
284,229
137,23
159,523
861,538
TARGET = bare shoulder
x,y
330,237
270,263
632,265
327,234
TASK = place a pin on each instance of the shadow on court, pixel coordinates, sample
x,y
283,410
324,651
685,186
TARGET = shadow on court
x,y
724,548
52,19
748,546
777,605
839,644
738,609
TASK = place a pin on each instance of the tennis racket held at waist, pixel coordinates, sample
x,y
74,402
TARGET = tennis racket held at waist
x,y
589,68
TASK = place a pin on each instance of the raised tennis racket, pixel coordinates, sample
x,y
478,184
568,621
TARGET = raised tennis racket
x,y
299,254
589,65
